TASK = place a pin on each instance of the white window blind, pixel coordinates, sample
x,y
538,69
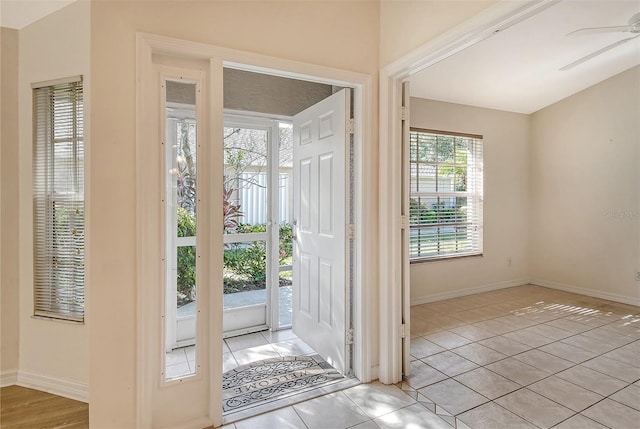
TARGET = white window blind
x,y
445,206
58,200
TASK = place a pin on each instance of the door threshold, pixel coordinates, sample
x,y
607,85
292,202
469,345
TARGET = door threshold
x,y
288,399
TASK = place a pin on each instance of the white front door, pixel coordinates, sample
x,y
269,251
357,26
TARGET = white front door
x,y
320,202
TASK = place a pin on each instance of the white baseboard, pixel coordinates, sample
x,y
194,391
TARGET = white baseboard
x,y
467,291
194,424
589,292
374,374
8,378
68,389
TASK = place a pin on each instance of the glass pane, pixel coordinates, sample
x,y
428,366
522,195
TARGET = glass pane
x,y
461,178
245,212
461,209
423,241
445,148
426,147
285,257
446,178
422,177
186,279
245,274
446,210
422,210
286,296
245,180
181,218
462,148
286,173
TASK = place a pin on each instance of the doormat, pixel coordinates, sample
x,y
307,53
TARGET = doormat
x,y
261,381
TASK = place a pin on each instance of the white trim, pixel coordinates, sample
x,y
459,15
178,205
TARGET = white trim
x,y
54,82
56,386
374,372
192,424
216,300
170,243
467,291
588,292
8,378
362,85
247,115
494,19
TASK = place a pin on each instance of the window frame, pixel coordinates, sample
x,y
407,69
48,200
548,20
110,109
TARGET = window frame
x,y
59,202
474,191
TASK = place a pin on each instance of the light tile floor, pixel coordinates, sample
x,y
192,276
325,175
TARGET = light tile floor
x,y
522,357
241,350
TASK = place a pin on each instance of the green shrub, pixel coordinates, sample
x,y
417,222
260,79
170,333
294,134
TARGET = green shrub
x,y
250,260
286,242
186,257
246,261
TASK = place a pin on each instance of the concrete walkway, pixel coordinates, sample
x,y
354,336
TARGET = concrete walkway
x,y
252,297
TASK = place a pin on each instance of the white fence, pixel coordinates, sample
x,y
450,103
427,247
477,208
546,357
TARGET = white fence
x,y
252,197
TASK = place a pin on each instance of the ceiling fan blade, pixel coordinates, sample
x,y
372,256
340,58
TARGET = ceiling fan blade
x,y
596,53
591,30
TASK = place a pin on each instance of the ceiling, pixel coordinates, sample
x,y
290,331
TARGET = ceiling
x,y
20,13
517,69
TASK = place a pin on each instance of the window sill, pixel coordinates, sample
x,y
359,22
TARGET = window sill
x,y
445,258
55,319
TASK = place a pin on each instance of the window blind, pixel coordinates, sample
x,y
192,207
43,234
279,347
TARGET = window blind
x,y
445,206
58,200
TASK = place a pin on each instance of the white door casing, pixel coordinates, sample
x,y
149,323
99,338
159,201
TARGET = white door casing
x,y
492,20
406,286
320,201
196,402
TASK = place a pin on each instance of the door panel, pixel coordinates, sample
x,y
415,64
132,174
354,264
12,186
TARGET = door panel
x,y
320,201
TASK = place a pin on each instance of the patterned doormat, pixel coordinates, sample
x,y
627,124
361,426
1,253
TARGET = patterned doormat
x,y
264,380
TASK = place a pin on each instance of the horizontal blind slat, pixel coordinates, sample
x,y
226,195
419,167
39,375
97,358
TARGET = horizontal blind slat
x,y
58,190
445,210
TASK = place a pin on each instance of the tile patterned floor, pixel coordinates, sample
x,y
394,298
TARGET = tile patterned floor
x,y
522,357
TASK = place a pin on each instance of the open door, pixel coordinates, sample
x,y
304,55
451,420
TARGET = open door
x,y
320,204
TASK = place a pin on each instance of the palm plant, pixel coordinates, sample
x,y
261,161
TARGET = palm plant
x,y
230,209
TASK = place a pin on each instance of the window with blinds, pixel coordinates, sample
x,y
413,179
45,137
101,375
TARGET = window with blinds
x,y
58,199
445,197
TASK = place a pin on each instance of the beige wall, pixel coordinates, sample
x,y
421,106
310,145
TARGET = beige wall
x,y
54,47
9,201
336,34
406,25
585,208
506,201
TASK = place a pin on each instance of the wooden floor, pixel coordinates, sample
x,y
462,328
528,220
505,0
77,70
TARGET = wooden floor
x,y
23,408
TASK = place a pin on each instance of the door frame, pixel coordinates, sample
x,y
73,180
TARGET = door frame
x,y
154,398
394,287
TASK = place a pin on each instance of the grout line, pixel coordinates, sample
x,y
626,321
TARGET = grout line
x,y
552,374
299,415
